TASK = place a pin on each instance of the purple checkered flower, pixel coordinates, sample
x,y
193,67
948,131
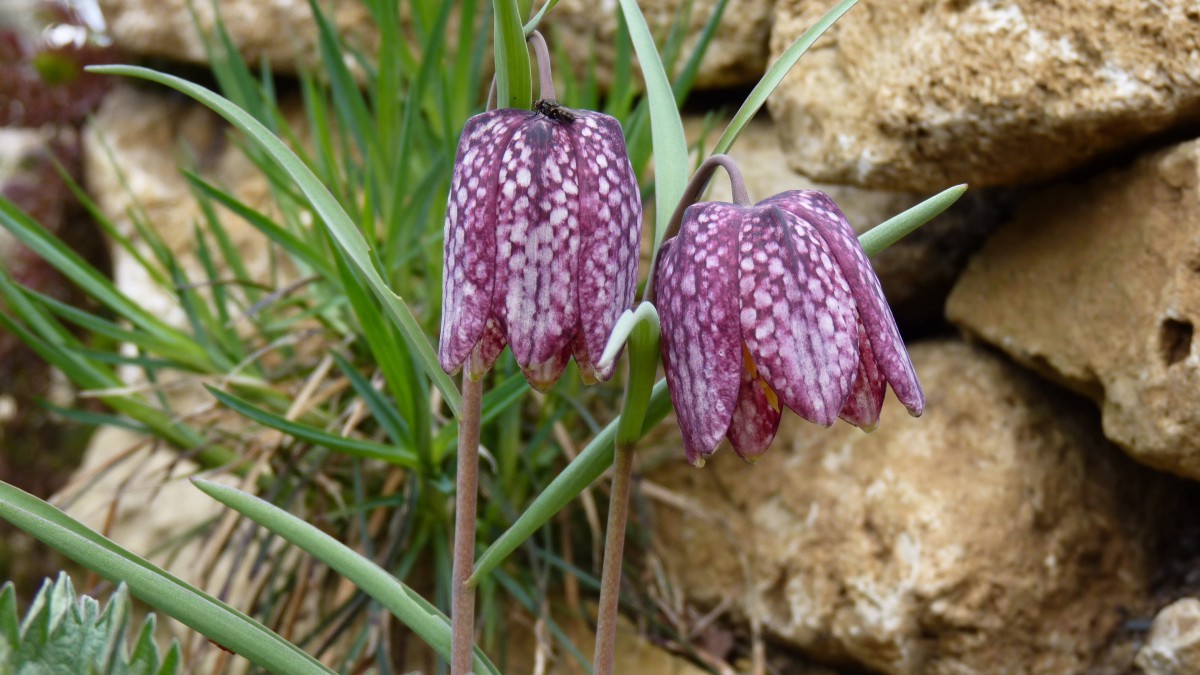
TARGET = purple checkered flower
x,y
542,231
774,305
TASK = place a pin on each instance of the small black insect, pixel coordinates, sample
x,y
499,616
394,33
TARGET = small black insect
x,y
551,109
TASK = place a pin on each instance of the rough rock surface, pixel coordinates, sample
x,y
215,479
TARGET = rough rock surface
x,y
1097,284
917,95
281,31
1173,645
918,271
998,533
737,55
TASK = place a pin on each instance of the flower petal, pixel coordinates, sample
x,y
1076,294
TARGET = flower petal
x,y
696,287
610,226
542,375
818,209
866,397
797,315
486,350
537,242
470,234
756,415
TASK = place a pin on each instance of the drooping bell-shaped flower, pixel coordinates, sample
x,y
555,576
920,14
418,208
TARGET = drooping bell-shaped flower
x,y
772,305
542,231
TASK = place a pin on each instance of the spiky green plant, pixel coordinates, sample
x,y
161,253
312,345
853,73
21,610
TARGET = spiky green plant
x,y
65,633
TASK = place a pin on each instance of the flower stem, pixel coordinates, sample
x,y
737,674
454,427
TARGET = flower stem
x,y
462,604
545,79
614,550
695,188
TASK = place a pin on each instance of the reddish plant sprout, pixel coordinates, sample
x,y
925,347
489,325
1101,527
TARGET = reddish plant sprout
x,y
769,306
542,231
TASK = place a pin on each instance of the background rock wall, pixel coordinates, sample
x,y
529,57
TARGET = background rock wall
x,y
1017,527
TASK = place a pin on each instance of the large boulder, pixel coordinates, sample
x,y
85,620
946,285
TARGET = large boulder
x,y
586,31
1097,285
998,533
917,95
281,31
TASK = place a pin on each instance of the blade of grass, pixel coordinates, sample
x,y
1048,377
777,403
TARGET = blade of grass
x,y
327,208
514,83
349,446
670,146
96,285
166,593
429,624
774,75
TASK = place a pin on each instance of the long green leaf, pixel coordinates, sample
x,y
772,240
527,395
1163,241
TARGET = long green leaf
x,y
195,608
775,74
349,446
595,459
330,212
75,268
370,578
666,127
514,84
895,228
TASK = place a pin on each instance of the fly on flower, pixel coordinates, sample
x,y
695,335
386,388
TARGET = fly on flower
x,y
542,231
769,306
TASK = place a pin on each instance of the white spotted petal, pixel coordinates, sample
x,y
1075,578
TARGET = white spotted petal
x,y
797,316
609,233
887,347
542,229
770,306
470,234
701,345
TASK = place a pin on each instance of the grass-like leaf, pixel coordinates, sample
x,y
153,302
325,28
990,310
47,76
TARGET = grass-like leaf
x,y
331,214
514,82
350,446
666,127
191,606
407,606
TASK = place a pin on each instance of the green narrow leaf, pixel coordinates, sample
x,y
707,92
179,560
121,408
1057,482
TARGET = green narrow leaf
x,y
191,606
533,23
330,212
75,268
430,625
381,410
349,446
897,227
774,75
514,84
666,127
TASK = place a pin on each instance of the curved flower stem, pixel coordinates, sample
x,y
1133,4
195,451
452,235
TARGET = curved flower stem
x,y
695,188
614,552
545,77
462,603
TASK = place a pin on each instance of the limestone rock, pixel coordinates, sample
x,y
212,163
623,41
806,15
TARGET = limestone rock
x,y
737,55
1097,284
1173,646
918,271
281,31
995,534
909,95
